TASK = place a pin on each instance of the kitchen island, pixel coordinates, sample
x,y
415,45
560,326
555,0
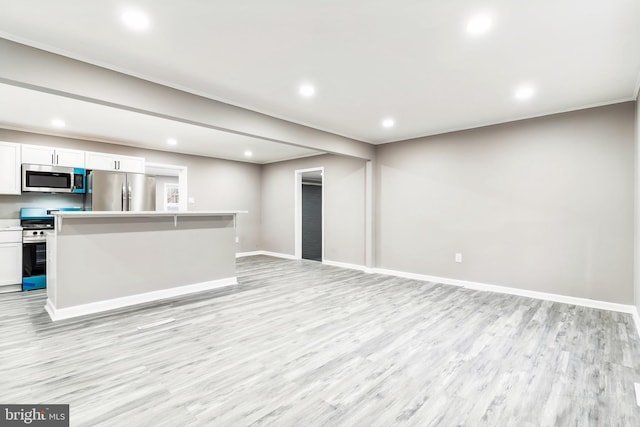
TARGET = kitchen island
x,y
99,261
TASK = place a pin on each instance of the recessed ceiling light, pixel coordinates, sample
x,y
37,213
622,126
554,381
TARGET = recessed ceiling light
x,y
307,90
135,20
388,123
59,123
524,92
248,153
172,141
479,24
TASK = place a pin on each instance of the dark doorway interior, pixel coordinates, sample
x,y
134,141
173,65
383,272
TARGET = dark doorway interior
x,y
312,220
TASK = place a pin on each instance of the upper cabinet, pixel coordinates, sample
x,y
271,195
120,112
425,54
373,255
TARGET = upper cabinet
x,y
40,155
9,168
114,162
13,155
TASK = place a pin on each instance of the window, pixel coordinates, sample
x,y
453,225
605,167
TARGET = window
x,y
171,197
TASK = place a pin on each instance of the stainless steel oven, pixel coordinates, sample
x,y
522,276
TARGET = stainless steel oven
x,y
36,223
34,258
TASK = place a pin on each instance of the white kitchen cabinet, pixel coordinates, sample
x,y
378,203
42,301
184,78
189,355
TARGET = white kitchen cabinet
x,y
113,162
10,260
42,155
131,164
9,168
71,158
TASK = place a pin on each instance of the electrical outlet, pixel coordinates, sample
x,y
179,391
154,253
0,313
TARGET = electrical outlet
x,y
458,257
237,239
192,200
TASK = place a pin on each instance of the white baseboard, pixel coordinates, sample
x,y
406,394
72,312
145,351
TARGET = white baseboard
x,y
112,304
347,265
244,254
279,255
636,319
326,261
585,302
267,253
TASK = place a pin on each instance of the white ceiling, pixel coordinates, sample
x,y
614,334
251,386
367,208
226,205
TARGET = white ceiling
x,y
25,109
411,60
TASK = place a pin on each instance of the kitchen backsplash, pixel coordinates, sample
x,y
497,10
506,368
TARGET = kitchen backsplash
x,y
10,205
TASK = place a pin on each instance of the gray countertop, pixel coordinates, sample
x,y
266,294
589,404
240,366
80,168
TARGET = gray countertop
x,y
10,225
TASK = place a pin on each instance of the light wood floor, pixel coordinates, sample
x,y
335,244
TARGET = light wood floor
x,y
297,343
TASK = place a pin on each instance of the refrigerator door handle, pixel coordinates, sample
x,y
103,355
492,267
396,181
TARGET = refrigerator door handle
x,y
129,206
124,199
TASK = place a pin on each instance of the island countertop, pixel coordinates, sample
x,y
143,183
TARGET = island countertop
x,y
60,215
116,214
103,260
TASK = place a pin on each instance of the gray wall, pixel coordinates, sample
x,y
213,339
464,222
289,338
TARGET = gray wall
x,y
10,205
344,186
214,184
543,204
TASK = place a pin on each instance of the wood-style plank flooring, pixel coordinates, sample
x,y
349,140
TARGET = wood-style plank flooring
x,y
297,343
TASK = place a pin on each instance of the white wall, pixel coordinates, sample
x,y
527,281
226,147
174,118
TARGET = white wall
x,y
543,204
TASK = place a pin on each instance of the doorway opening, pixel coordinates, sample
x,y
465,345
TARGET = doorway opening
x,y
171,186
310,214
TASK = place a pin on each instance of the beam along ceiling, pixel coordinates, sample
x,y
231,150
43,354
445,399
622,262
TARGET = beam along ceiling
x,y
32,110
376,71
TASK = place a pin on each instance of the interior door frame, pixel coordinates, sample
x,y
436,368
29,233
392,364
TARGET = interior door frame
x,y
298,209
172,170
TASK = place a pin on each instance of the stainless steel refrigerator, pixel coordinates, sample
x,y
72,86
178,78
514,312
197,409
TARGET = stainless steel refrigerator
x,y
117,191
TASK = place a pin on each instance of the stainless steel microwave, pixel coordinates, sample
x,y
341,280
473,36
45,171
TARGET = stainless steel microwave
x,y
53,179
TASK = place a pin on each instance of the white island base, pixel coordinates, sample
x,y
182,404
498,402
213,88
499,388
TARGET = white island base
x,y
99,261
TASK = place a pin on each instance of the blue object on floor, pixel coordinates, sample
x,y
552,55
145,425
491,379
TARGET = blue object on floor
x,y
34,282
